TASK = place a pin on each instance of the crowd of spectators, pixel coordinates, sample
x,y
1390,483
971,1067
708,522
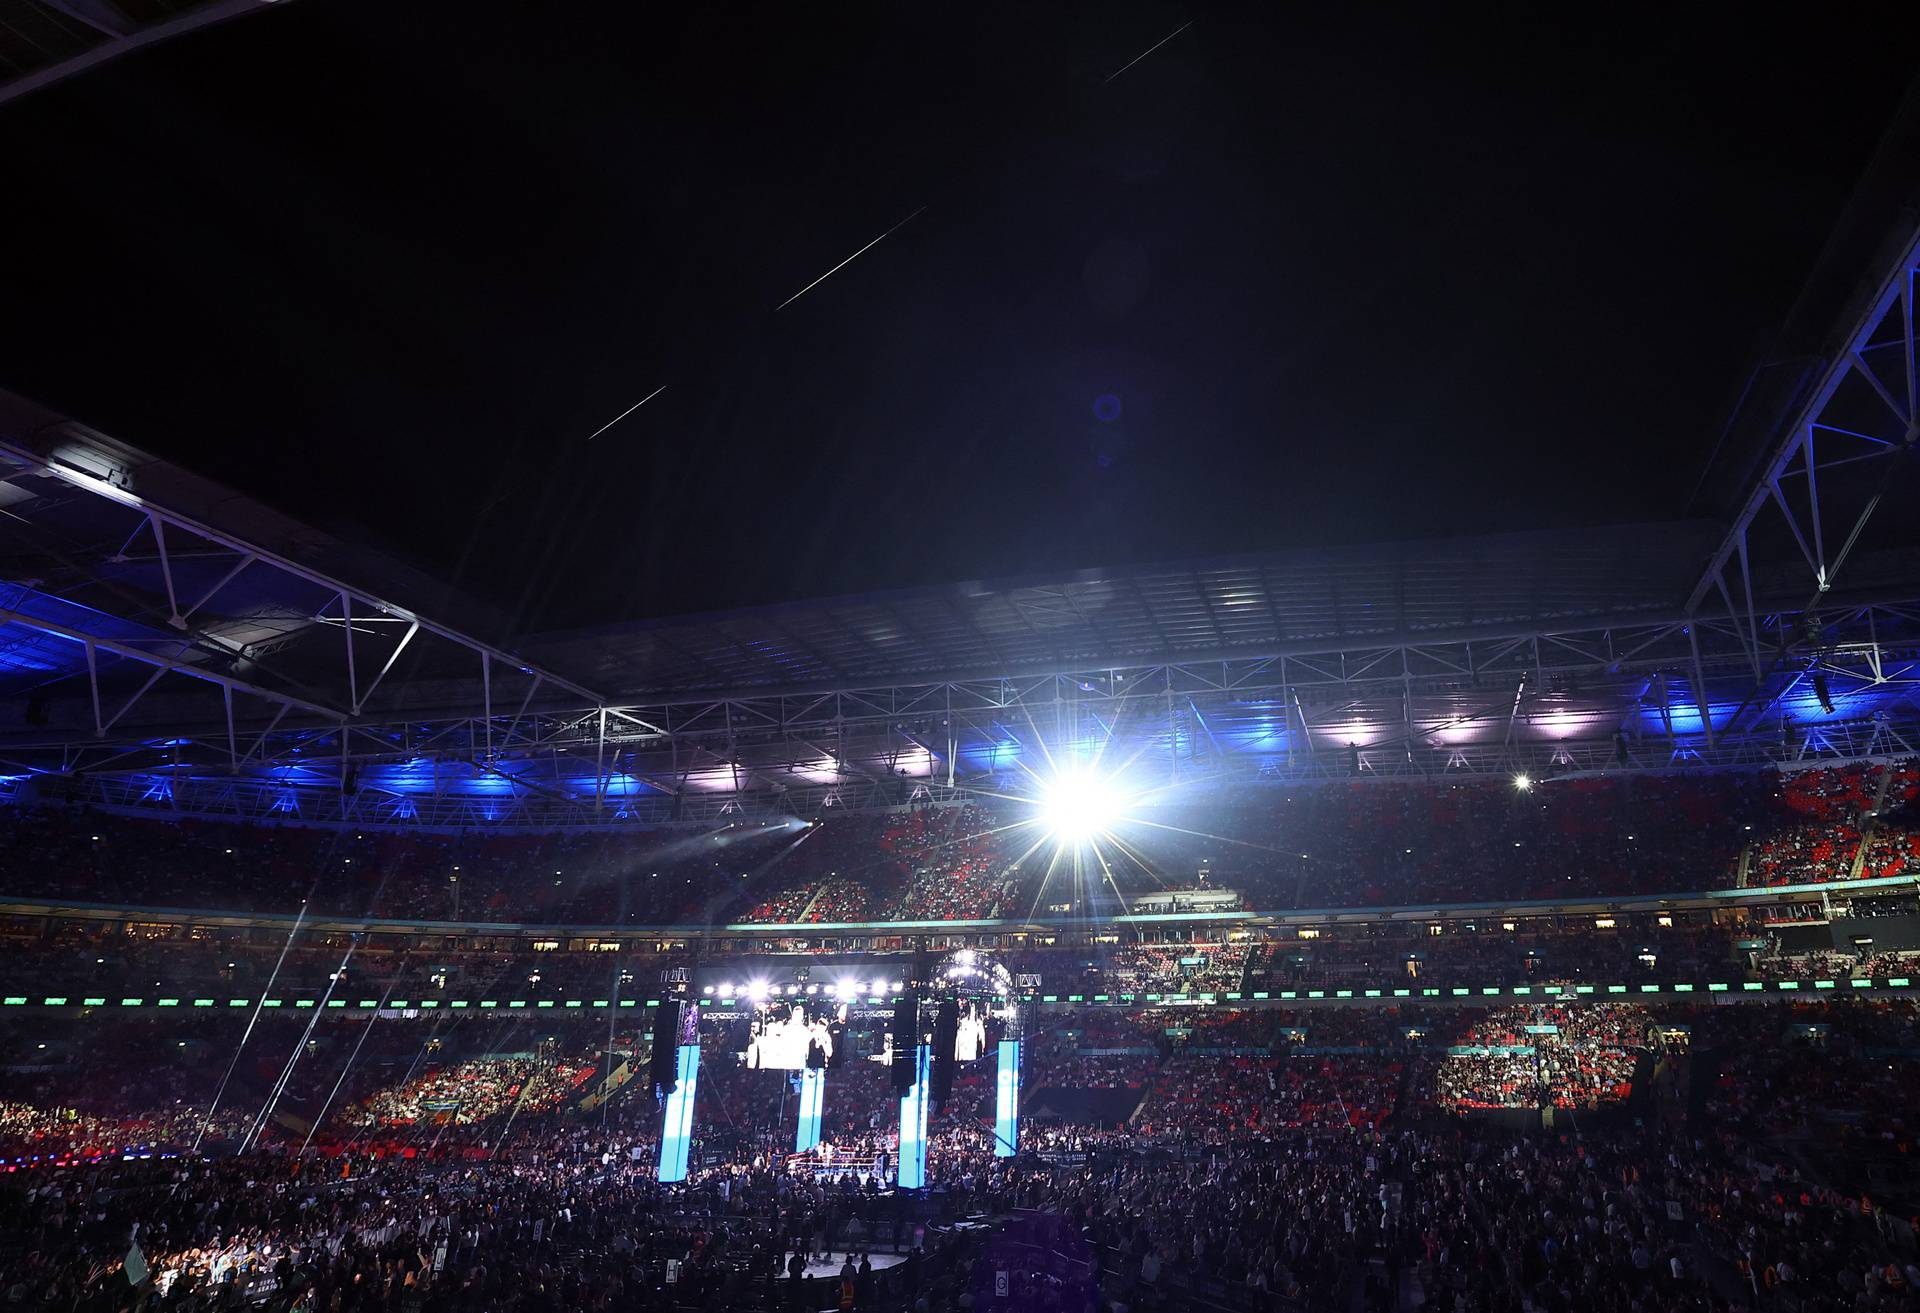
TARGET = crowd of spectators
x,y
1275,1163
1488,954
589,877
919,863
950,861
1355,843
1577,1057
564,1223
1229,1098
79,957
842,851
1825,812
840,899
1195,968
1814,964
474,1091
1385,843
1880,966
1379,843
1833,1073
1261,1158
31,1131
1893,842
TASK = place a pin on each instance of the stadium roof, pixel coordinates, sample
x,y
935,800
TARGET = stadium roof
x,y
171,644
43,41
134,587
1207,610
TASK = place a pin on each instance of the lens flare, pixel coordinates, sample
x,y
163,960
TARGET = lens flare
x,y
1077,807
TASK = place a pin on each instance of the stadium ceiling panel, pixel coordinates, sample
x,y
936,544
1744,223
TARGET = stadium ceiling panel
x,y
1267,605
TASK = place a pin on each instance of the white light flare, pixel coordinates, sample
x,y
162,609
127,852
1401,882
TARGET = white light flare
x,y
1075,807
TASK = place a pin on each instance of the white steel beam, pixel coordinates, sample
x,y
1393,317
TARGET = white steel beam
x,y
162,664
1797,452
87,482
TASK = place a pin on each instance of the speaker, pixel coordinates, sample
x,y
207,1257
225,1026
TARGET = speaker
x,y
905,1031
946,1031
665,1066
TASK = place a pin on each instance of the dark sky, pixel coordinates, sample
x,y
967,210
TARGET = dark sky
x,y
388,265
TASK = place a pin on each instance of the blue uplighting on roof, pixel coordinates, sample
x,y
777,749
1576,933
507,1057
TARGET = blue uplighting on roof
x,y
414,776
992,756
30,650
302,773
27,649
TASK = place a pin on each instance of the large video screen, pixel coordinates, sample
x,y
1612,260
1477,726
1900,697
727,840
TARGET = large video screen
x,y
970,1042
970,1039
784,1031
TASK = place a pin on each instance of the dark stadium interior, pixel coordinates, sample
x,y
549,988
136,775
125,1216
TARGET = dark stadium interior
x,y
1105,660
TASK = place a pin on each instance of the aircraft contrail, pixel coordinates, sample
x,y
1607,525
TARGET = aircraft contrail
x,y
1148,51
850,259
628,411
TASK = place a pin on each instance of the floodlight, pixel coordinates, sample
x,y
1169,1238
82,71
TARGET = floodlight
x,y
1076,807
1523,782
756,990
1823,692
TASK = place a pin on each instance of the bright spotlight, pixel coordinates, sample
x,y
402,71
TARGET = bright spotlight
x,y
1523,782
756,990
1077,807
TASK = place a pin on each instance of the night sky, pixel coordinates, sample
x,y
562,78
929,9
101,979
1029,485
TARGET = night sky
x,y
1296,277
